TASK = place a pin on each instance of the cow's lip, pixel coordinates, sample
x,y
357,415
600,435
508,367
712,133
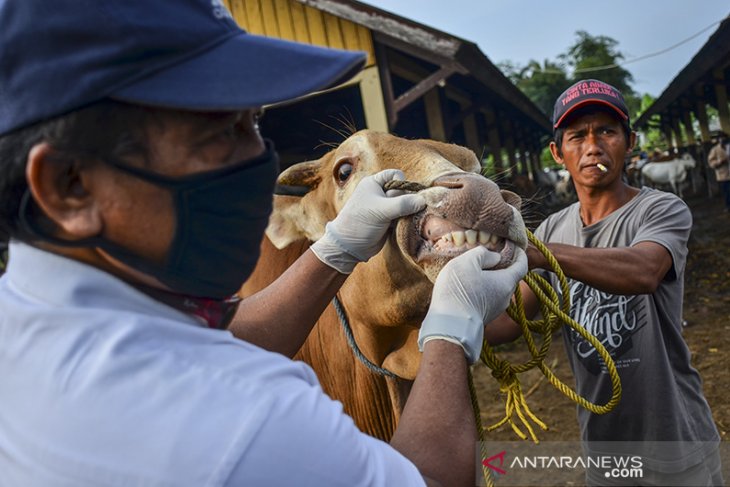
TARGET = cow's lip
x,y
442,238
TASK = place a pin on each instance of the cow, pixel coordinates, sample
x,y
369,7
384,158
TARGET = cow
x,y
385,299
672,172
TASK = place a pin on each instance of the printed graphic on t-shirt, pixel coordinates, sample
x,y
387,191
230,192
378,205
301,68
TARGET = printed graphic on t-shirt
x,y
613,319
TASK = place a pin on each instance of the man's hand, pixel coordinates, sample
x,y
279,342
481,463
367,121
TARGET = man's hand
x,y
359,231
535,258
467,295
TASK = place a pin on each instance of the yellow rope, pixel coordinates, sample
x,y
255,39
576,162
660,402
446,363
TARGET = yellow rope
x,y
480,431
554,316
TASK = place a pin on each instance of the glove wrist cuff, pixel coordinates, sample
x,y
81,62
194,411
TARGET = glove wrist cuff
x,y
332,254
466,331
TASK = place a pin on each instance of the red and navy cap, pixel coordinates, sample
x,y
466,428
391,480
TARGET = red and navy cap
x,y
58,56
588,92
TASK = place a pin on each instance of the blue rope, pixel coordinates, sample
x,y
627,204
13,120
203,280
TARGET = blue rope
x,y
353,345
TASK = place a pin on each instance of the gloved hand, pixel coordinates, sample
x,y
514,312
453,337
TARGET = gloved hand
x,y
466,296
359,231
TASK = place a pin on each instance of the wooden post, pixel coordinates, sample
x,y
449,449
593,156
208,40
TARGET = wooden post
x,y
701,115
373,103
667,131
509,142
721,95
434,115
471,133
674,121
493,138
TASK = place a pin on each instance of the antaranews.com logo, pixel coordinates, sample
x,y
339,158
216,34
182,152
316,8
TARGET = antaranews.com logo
x,y
558,463
614,466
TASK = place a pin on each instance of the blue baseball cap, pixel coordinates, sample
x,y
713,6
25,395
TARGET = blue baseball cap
x,y
59,55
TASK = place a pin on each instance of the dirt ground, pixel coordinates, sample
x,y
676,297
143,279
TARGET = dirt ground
x,y
706,311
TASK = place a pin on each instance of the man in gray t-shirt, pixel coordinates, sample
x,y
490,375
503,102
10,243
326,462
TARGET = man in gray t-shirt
x,y
624,252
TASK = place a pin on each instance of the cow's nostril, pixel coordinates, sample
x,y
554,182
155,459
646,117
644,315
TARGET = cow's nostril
x,y
457,184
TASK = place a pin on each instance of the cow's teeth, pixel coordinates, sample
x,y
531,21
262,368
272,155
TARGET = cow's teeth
x,y
494,239
484,237
459,238
471,236
447,237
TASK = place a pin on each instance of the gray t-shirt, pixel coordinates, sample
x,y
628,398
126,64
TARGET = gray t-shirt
x,y
662,397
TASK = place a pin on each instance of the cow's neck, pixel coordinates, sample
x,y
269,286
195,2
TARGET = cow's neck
x,y
365,396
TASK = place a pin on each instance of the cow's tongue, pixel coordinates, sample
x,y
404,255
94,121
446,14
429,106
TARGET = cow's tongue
x,y
434,228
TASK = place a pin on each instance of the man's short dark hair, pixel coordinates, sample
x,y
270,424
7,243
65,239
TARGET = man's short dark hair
x,y
98,132
560,131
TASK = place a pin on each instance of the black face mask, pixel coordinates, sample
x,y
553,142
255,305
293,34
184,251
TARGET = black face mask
x,y
221,218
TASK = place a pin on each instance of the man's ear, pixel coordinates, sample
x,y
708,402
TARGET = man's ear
x,y
60,187
632,142
557,155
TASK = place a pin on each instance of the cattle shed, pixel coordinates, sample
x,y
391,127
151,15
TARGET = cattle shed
x,y
683,104
418,82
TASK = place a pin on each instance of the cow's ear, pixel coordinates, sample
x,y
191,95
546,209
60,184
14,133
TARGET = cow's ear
x,y
301,174
511,198
290,221
283,226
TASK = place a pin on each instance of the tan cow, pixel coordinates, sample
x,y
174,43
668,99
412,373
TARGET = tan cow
x,y
386,298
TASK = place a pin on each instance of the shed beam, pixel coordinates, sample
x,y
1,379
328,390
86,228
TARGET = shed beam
x,y
423,87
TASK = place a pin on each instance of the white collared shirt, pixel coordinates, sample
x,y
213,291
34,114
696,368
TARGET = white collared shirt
x,y
101,385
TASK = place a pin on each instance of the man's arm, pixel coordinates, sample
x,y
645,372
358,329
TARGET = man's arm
x,y
639,269
280,317
437,430
626,270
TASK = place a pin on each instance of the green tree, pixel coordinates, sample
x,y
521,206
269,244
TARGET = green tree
x,y
543,83
589,57
651,135
598,57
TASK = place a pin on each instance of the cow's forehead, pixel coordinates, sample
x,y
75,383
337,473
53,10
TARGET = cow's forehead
x,y
416,158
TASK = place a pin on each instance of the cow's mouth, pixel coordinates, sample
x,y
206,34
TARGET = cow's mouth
x,y
443,240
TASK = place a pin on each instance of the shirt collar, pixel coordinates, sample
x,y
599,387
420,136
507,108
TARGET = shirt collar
x,y
61,281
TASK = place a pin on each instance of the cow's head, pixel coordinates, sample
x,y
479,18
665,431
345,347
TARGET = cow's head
x,y
393,289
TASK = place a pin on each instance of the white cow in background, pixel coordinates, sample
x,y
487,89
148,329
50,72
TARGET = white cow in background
x,y
556,185
672,172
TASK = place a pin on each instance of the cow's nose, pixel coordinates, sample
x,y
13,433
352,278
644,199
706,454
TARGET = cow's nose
x,y
477,199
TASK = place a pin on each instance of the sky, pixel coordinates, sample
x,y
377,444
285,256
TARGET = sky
x,y
522,30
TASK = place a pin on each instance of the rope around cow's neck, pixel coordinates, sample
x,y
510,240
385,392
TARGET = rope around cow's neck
x,y
554,316
340,310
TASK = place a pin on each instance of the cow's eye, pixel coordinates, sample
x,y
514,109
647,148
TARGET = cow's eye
x,y
343,172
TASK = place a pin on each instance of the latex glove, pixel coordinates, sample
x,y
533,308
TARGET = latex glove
x,y
359,231
466,296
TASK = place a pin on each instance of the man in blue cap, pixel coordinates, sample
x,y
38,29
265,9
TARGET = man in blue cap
x,y
624,250
135,190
